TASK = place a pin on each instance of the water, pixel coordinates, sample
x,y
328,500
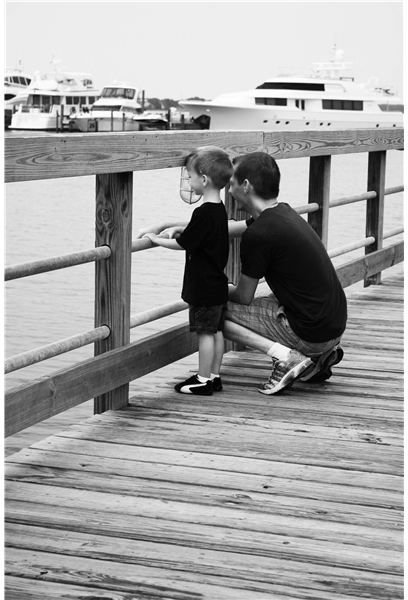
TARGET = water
x,y
48,218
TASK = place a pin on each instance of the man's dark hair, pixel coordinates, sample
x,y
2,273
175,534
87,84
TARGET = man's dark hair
x,y
213,162
261,171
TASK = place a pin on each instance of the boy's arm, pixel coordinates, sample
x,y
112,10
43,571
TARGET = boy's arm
x,y
164,242
159,228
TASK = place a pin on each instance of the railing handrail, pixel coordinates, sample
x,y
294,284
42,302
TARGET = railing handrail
x,y
64,261
65,155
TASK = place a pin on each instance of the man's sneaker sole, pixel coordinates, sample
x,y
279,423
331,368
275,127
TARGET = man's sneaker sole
x,y
324,372
289,378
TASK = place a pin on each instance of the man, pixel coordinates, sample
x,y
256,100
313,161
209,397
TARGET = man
x,y
299,318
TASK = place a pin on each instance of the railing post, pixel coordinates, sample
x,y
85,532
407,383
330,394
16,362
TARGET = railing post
x,y
112,276
319,192
233,269
375,207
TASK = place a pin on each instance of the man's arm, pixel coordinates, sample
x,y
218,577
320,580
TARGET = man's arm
x,y
164,242
244,292
236,228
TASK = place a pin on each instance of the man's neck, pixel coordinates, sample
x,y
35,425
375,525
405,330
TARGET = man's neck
x,y
258,205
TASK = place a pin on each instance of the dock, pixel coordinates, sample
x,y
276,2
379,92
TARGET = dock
x,y
235,496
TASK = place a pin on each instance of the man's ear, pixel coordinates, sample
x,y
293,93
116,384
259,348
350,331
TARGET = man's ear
x,y
246,185
205,180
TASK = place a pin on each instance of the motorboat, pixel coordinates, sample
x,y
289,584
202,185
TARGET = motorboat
x,y
120,107
16,82
326,98
52,99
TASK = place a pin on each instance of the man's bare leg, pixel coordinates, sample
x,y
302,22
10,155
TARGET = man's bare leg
x,y
246,337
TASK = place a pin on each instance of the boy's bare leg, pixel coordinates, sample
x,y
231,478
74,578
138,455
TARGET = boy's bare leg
x,y
218,352
206,347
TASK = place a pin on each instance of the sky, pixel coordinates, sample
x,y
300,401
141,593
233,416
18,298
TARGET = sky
x,y
184,49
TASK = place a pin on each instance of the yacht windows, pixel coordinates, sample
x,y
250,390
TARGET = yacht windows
x,y
342,104
300,104
110,92
392,107
73,99
272,101
283,85
38,100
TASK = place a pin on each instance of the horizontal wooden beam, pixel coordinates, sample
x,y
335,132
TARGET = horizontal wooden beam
x,y
358,269
70,155
48,396
296,144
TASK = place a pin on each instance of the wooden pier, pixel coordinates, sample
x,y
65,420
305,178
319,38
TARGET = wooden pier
x,y
237,496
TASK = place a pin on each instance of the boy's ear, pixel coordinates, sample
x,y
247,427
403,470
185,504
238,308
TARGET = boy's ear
x,y
246,186
205,179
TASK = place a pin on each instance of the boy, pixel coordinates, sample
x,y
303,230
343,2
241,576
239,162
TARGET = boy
x,y
205,285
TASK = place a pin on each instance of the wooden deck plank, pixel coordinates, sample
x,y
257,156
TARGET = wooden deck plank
x,y
239,583
176,493
238,496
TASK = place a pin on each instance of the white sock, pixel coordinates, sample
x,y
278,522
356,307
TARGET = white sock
x,y
279,351
214,375
202,379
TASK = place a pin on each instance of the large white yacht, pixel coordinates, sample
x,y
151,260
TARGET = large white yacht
x,y
328,98
51,99
120,107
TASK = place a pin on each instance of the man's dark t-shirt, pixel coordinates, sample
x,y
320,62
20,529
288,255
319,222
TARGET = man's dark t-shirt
x,y
282,247
205,240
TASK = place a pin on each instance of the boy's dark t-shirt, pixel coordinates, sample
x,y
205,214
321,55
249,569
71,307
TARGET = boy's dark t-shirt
x,y
282,247
205,240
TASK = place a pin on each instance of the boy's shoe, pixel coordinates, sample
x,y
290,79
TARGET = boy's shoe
x,y
284,373
217,384
322,369
193,385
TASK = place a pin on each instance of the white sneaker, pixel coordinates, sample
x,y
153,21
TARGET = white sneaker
x,y
285,372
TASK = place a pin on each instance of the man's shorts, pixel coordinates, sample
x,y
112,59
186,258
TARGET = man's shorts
x,y
267,317
207,319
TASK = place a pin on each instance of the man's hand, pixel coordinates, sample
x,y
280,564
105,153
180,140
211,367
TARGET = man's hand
x,y
244,292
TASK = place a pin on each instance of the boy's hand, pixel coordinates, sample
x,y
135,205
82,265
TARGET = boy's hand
x,y
151,236
171,232
152,229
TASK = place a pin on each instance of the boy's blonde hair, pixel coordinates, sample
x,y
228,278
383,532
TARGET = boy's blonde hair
x,y
213,162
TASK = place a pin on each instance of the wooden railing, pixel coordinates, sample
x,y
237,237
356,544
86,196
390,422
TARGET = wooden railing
x,y
112,158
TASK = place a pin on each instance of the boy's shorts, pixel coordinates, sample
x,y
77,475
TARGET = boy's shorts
x,y
207,319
